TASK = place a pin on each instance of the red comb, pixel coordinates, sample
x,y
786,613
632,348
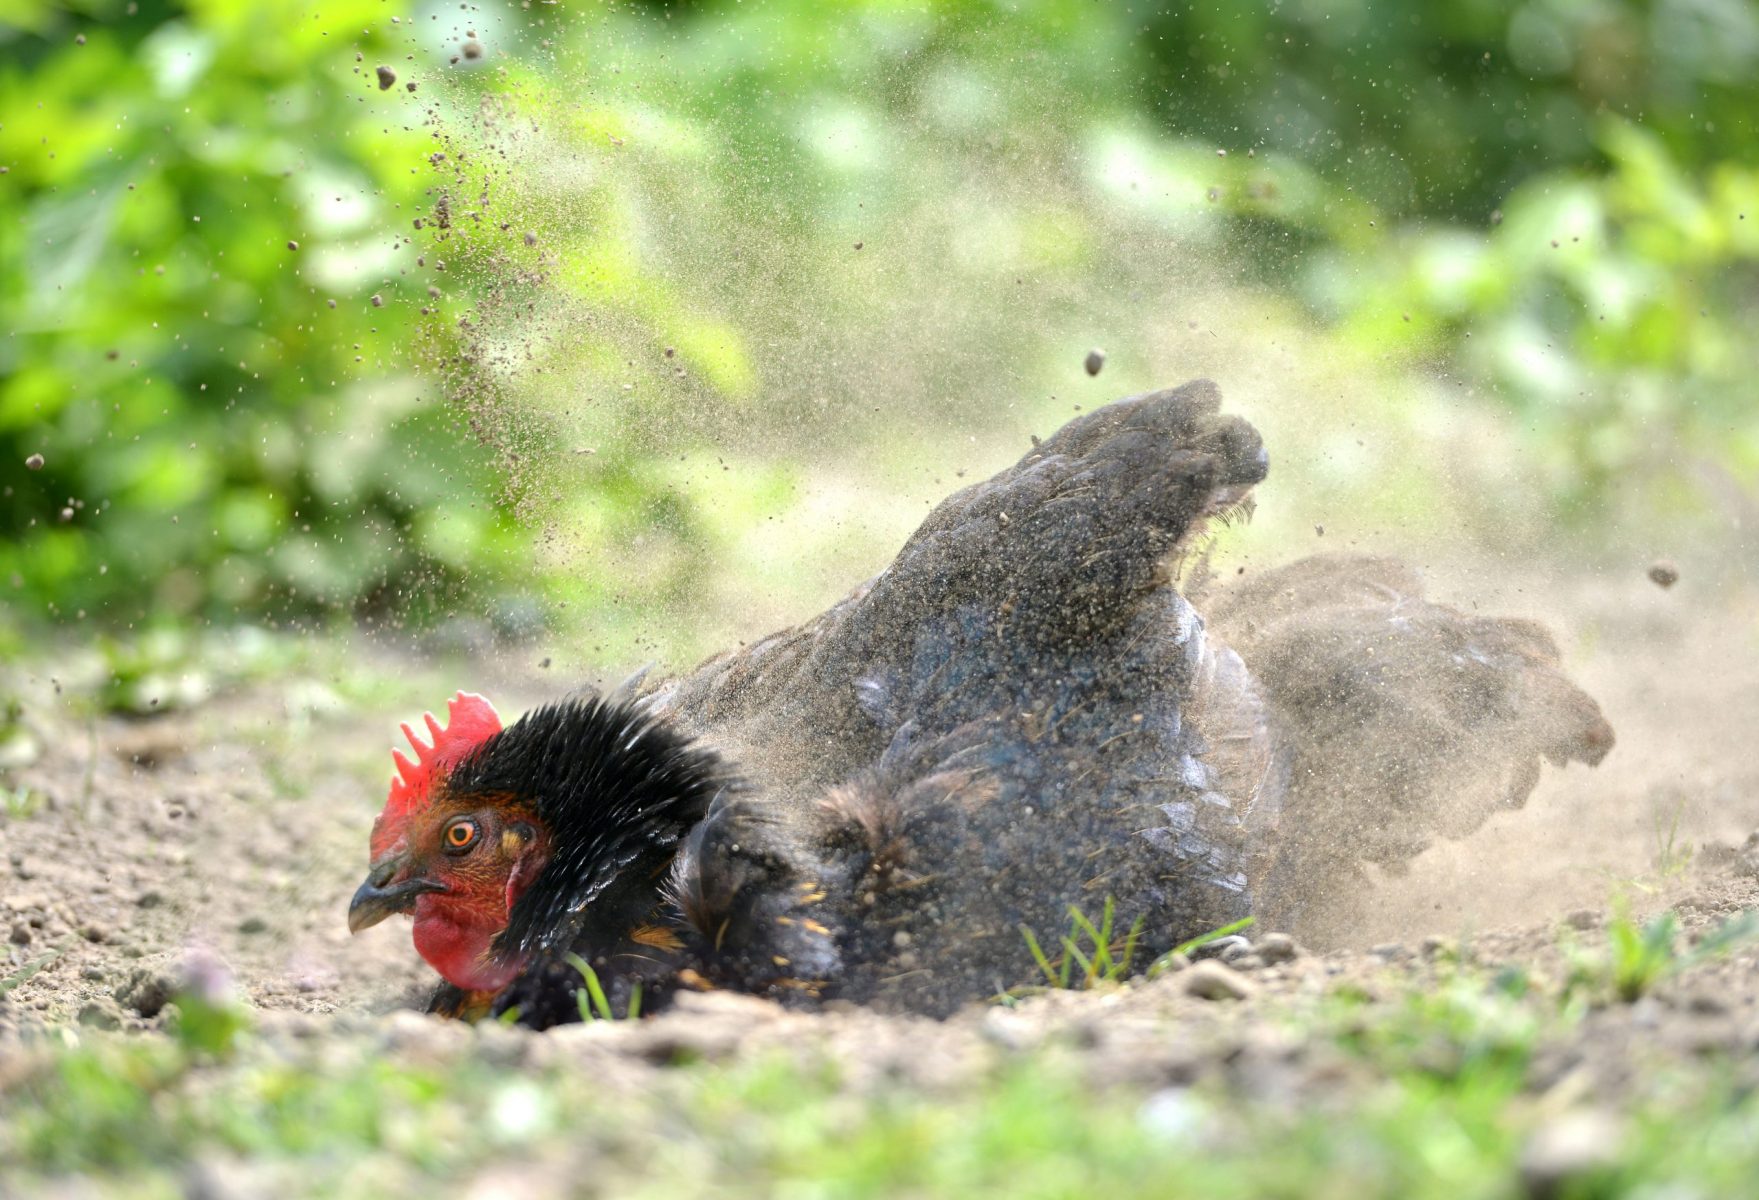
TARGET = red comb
x,y
470,720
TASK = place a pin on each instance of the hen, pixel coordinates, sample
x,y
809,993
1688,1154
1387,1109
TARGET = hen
x,y
1021,716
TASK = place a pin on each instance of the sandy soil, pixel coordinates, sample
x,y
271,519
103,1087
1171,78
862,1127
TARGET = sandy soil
x,y
239,830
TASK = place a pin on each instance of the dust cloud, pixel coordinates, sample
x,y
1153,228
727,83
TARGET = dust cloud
x,y
718,418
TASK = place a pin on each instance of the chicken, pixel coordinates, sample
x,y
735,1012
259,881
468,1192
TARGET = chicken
x,y
1020,717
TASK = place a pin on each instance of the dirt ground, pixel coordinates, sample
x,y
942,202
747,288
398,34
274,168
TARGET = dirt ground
x,y
237,829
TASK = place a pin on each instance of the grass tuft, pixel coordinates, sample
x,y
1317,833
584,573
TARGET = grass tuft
x,y
1105,959
1636,959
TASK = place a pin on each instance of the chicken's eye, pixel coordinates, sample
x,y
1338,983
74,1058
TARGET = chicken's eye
x,y
459,836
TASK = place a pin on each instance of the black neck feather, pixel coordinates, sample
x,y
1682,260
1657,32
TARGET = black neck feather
x,y
617,790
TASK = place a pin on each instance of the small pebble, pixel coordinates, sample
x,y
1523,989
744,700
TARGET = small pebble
x,y
1663,574
473,50
292,245
1565,1149
378,300
1094,362
34,462
1436,946
100,1014
1210,980
1217,947
1278,948
387,77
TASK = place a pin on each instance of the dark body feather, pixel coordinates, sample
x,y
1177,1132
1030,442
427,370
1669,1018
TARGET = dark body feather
x,y
1021,715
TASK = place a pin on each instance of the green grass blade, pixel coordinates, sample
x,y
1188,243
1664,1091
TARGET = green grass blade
x,y
24,973
1214,935
1203,939
1130,940
1071,955
600,1003
1038,956
1725,937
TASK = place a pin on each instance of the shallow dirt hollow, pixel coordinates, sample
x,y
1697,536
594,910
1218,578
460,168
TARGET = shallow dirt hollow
x,y
238,830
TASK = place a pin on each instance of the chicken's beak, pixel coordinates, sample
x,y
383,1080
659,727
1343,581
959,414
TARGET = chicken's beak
x,y
379,896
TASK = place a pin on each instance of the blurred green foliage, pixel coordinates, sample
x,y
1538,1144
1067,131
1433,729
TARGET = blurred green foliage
x,y
292,346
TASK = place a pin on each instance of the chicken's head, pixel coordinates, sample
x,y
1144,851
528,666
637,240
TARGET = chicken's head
x,y
456,859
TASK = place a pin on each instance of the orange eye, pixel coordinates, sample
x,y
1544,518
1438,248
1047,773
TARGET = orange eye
x,y
459,835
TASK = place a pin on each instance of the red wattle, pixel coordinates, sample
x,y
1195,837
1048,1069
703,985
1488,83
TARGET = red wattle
x,y
457,946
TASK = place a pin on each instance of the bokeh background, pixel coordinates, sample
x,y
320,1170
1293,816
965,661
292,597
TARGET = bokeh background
x,y
633,328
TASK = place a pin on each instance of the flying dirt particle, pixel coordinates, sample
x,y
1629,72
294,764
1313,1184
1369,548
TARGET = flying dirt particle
x,y
1319,531
531,239
292,245
1496,216
66,515
378,300
1663,573
79,39
410,85
331,303
34,462
858,245
1221,153
544,666
387,77
1094,362
473,50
